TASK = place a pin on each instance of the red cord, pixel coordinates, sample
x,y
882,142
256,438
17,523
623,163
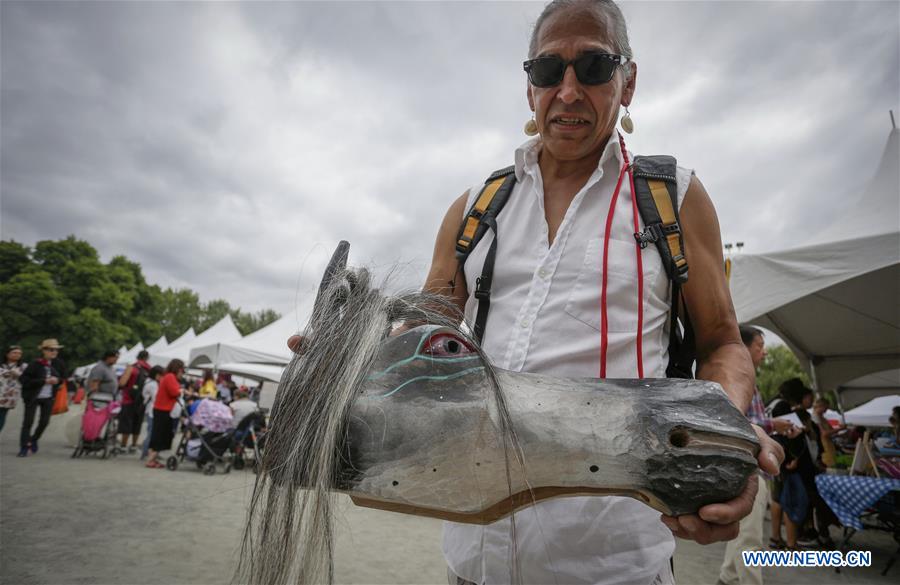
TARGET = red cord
x,y
640,273
604,327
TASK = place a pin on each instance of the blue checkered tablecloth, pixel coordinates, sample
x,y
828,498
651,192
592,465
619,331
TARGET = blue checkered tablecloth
x,y
849,496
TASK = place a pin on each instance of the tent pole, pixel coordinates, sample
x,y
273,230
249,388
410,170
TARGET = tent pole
x,y
813,377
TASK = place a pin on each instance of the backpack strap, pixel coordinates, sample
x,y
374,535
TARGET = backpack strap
x,y
481,216
657,201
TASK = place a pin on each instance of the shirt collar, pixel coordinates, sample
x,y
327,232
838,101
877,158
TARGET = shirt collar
x,y
526,156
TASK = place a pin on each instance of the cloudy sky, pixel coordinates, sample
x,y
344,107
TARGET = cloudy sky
x,y
228,146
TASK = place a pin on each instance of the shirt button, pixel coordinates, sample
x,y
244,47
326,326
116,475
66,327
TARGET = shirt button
x,y
542,273
525,324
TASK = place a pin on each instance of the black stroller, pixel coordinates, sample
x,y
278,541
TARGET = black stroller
x,y
204,447
249,438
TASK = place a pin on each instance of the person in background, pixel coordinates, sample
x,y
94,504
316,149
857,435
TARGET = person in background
x,y
208,386
131,384
102,377
826,431
163,425
750,534
795,449
225,394
40,380
148,396
242,407
10,386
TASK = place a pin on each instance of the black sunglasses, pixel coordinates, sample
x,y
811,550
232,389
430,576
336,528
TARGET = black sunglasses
x,y
591,68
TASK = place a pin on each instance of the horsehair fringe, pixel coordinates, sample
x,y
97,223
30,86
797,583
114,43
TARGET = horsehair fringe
x,y
288,536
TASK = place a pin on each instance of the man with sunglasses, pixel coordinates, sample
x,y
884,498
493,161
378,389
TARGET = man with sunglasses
x,y
574,295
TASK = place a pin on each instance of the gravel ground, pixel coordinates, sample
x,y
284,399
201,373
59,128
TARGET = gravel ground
x,y
72,521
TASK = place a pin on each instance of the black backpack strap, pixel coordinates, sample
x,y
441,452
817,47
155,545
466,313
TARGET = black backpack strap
x,y
489,202
657,201
481,216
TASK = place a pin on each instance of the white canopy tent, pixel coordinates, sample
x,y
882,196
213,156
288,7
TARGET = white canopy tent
x,y
159,345
856,392
264,346
836,304
875,413
222,332
130,355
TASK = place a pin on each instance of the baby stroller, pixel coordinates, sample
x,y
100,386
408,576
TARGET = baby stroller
x,y
98,426
249,437
206,438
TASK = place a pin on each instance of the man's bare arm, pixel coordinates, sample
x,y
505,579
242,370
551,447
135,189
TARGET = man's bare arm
x,y
721,356
445,276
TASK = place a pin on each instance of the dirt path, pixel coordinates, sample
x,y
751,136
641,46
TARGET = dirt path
x,y
91,521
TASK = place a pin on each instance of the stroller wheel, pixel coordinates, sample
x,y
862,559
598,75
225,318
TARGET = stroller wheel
x,y
227,468
238,463
210,469
172,463
199,465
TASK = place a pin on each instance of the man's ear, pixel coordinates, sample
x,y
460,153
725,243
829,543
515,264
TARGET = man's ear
x,y
529,95
628,90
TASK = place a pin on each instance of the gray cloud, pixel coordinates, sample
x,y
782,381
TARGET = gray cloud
x,y
227,147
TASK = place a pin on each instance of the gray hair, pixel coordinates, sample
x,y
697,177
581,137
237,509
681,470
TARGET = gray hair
x,y
606,11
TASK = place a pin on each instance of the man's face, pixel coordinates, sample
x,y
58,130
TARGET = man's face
x,y
757,350
49,353
807,401
111,360
568,34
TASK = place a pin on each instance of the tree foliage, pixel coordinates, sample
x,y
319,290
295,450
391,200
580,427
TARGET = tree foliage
x,y
62,289
779,365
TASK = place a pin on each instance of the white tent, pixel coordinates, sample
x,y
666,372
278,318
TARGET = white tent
x,y
856,392
130,355
264,346
159,345
875,413
836,304
222,332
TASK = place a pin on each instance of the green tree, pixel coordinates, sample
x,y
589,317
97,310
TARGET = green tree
x,y
780,364
14,258
180,311
32,308
213,312
88,333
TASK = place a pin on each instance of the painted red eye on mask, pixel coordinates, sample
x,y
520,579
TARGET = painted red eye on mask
x,y
447,345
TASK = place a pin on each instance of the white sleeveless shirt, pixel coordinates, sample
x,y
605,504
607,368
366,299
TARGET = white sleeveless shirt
x,y
545,317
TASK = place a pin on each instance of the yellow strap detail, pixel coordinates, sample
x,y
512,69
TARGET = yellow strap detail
x,y
728,269
481,204
662,200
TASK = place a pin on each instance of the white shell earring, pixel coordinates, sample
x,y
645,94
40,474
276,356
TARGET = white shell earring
x,y
626,123
531,127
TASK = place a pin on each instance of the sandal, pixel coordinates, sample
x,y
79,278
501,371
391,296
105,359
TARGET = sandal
x,y
154,464
777,543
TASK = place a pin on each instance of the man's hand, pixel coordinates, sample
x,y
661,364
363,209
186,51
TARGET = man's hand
x,y
716,522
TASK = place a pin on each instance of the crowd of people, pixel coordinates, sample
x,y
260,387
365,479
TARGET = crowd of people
x,y
151,398
800,518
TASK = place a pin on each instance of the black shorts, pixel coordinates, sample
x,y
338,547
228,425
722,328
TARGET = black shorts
x,y
130,418
163,431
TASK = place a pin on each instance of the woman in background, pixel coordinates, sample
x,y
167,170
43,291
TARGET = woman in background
x,y
10,386
166,397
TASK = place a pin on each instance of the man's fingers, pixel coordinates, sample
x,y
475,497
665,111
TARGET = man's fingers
x,y
770,452
692,527
295,344
734,510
